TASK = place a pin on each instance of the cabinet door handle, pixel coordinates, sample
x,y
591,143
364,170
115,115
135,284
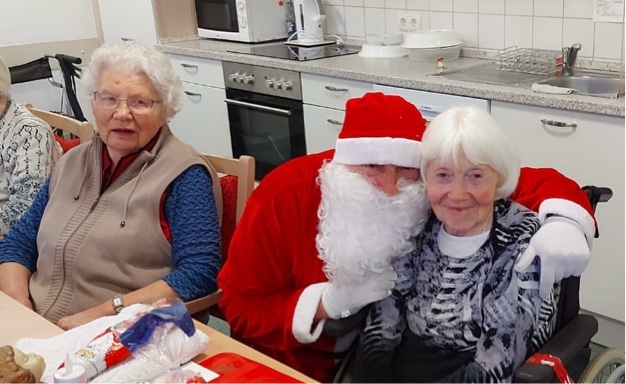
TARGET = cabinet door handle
x,y
188,66
193,94
334,122
335,89
556,123
127,39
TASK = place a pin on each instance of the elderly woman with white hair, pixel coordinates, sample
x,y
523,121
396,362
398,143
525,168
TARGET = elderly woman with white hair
x,y
459,311
130,216
28,152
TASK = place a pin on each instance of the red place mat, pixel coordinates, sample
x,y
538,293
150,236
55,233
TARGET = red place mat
x,y
234,368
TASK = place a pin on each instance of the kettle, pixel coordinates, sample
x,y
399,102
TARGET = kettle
x,y
310,20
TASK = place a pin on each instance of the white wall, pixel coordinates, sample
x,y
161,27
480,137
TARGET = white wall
x,y
41,21
487,24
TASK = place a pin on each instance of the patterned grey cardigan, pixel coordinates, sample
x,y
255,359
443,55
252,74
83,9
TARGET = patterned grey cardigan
x,y
470,319
28,152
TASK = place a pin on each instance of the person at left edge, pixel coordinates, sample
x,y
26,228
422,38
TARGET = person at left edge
x,y
130,216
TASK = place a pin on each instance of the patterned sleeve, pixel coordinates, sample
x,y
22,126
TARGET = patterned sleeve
x,y
196,241
31,155
383,328
511,306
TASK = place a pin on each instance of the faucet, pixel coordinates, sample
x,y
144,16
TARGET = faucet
x,y
569,58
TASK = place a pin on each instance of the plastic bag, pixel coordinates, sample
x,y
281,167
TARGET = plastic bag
x,y
158,332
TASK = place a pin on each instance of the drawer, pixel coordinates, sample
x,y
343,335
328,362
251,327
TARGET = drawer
x,y
331,92
321,127
199,71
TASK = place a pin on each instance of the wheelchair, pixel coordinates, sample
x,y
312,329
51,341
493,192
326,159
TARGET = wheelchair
x,y
40,69
570,341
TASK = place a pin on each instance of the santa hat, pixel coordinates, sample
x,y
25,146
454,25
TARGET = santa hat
x,y
380,129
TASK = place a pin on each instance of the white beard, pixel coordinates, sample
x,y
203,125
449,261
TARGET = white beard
x,y
361,228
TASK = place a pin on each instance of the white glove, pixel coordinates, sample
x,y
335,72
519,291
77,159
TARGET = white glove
x,y
345,300
562,249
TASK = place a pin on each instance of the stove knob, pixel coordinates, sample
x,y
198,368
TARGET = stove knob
x,y
240,78
286,86
233,77
269,83
278,85
248,79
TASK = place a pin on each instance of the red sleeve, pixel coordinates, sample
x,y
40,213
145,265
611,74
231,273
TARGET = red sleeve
x,y
259,292
545,189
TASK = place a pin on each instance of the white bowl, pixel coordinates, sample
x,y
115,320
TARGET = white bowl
x,y
431,39
382,51
431,55
392,38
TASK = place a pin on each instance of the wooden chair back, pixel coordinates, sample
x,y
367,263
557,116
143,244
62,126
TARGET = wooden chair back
x,y
234,173
81,129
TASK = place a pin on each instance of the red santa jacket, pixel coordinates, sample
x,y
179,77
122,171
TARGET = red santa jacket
x,y
272,259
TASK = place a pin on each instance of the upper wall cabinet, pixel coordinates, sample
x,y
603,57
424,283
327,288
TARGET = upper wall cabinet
x,y
128,20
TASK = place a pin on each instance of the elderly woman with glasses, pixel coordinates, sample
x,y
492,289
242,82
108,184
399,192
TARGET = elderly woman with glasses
x,y
460,312
130,216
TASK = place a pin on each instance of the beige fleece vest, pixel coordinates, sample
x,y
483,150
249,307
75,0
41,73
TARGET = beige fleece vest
x,y
94,246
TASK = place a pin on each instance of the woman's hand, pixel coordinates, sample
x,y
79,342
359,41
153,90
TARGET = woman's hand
x,y
80,318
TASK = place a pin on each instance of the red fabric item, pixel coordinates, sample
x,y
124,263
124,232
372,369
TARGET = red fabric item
x,y
379,115
555,363
66,144
229,211
539,184
234,368
273,258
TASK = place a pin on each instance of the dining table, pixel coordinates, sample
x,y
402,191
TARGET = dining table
x,y
18,321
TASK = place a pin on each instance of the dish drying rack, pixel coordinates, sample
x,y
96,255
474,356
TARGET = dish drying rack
x,y
529,60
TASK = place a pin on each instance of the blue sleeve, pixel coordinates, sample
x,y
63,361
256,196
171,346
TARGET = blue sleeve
x,y
191,213
19,245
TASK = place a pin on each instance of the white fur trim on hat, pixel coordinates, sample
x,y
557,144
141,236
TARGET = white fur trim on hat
x,y
305,314
378,150
570,210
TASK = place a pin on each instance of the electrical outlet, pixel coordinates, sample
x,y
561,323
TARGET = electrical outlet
x,y
409,21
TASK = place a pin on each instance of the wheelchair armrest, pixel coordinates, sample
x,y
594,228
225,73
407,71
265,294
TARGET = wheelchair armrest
x,y
340,327
565,345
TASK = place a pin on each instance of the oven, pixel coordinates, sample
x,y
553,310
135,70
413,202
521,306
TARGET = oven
x,y
249,21
265,114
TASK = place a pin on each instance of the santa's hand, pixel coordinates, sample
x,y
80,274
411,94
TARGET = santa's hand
x,y
341,301
561,246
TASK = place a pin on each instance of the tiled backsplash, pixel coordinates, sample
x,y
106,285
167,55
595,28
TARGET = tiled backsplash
x,y
487,24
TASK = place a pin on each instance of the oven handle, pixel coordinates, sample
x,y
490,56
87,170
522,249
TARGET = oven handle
x,y
260,107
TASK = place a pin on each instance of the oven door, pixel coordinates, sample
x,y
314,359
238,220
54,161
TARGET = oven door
x,y
268,128
217,15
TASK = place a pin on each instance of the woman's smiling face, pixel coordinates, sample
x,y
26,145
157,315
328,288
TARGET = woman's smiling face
x,y
462,195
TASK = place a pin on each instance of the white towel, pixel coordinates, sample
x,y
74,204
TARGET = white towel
x,y
546,88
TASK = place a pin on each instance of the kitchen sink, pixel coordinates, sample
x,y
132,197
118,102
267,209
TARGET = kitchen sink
x,y
592,83
589,84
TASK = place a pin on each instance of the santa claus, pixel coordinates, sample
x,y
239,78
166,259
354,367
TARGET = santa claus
x,y
316,239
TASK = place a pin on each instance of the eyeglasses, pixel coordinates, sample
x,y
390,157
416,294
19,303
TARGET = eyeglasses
x,y
136,105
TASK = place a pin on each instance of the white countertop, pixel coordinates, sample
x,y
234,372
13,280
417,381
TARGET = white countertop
x,y
400,73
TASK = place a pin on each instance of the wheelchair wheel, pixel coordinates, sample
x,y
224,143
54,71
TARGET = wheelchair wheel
x,y
602,367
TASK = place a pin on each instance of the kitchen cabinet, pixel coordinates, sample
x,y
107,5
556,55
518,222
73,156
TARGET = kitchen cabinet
x,y
331,92
591,153
128,20
324,101
203,119
321,127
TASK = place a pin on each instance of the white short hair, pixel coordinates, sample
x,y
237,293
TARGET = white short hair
x,y
473,132
135,58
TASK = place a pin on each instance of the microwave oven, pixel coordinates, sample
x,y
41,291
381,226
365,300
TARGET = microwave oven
x,y
249,21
